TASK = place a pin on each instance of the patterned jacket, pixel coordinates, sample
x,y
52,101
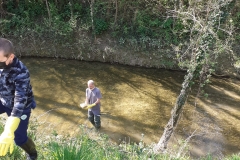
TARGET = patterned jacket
x,y
15,88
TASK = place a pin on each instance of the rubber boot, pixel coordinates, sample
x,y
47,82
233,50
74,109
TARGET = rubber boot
x,y
97,122
91,119
30,149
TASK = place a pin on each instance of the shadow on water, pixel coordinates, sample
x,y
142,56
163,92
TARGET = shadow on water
x,y
217,119
135,101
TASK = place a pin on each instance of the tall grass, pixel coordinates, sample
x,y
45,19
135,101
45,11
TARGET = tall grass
x,y
81,148
84,148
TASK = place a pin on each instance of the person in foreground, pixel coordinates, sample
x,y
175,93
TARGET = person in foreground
x,y
16,100
93,96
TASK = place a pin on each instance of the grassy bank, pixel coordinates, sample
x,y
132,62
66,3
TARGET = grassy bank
x,y
83,147
96,146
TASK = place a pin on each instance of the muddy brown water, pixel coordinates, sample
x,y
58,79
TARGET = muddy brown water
x,y
135,101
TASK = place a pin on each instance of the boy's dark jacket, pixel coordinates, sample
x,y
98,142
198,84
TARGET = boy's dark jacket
x,y
15,88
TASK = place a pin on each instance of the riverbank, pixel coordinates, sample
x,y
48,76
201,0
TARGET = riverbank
x,y
108,50
91,144
88,144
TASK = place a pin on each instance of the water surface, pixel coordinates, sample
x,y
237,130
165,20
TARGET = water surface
x,y
135,101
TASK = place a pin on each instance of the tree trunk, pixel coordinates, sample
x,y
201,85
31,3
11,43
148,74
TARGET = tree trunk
x,y
16,3
49,13
92,13
202,46
92,17
71,7
1,6
116,12
175,114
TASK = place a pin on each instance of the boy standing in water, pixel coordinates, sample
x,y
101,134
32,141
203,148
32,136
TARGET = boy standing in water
x,y
16,100
93,96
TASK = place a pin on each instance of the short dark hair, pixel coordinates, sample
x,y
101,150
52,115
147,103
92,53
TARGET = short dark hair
x,y
6,46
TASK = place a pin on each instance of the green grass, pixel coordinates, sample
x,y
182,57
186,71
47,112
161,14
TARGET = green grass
x,y
234,157
84,147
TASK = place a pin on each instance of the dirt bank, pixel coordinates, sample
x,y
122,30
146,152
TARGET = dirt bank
x,y
82,46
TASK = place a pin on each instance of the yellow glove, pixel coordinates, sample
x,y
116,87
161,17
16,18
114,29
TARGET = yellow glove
x,y
7,137
90,106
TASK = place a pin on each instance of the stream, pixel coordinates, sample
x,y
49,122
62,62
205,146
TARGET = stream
x,y
136,101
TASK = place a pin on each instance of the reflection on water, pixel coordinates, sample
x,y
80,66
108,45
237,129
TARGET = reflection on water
x,y
135,101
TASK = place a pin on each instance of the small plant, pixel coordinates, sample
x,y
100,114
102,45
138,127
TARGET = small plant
x,y
54,133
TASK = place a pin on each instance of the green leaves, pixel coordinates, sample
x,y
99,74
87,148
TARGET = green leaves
x,y
100,26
